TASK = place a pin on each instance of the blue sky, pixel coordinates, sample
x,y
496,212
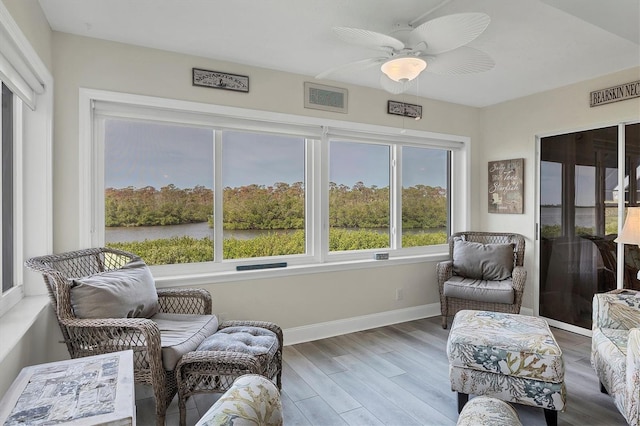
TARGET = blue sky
x,y
143,154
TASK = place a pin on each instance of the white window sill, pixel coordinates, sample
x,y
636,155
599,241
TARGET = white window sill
x,y
230,276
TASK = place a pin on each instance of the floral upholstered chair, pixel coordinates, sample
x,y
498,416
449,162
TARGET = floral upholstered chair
x,y
615,349
252,400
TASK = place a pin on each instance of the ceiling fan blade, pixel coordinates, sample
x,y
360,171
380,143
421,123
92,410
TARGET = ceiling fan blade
x,y
463,60
449,32
357,65
395,87
370,39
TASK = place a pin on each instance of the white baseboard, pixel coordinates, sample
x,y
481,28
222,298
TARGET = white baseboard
x,y
526,311
323,330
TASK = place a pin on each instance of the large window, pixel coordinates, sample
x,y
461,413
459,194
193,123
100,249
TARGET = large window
x,y
189,187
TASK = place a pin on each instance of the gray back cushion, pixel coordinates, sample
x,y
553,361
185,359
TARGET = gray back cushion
x,y
128,292
482,261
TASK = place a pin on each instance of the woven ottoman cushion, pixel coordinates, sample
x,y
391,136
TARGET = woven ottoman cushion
x,y
254,341
509,344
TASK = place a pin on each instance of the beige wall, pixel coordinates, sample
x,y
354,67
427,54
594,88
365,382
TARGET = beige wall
x,y
300,300
509,130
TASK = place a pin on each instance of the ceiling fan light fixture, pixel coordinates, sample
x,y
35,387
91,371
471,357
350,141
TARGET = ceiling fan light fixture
x,y
403,69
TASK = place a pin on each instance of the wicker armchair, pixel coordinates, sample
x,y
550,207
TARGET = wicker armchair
x,y
458,292
85,337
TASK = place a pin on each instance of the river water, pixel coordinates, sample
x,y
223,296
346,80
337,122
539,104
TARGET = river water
x,y
198,231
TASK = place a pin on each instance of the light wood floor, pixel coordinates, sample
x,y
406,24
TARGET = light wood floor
x,y
398,375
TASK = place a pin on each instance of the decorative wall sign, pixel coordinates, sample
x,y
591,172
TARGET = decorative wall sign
x,y
220,80
404,109
506,186
327,98
614,94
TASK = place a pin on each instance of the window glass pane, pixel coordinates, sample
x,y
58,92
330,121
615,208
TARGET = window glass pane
x,y
550,199
585,204
424,196
358,196
264,195
7,190
159,191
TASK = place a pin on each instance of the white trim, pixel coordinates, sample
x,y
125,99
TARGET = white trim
x,y
85,183
23,70
323,330
273,117
173,279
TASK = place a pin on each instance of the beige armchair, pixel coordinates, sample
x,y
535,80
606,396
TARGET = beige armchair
x,y
485,272
105,301
615,349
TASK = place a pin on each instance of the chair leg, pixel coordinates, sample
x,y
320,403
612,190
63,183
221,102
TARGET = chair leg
x,y
603,389
463,398
161,404
444,322
551,417
182,406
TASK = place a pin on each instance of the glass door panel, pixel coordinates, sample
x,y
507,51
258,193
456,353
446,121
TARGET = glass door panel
x,y
578,181
632,198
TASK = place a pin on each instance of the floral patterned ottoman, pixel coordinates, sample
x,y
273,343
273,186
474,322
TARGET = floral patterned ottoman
x,y
252,400
485,410
511,357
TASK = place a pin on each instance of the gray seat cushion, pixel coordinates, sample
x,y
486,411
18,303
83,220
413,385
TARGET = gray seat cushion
x,y
479,290
181,333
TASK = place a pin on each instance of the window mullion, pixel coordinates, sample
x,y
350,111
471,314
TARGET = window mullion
x,y
218,196
322,221
395,198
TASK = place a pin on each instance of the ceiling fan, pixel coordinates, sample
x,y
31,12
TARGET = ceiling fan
x,y
437,46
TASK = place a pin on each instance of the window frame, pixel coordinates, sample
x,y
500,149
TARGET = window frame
x,y
31,82
95,104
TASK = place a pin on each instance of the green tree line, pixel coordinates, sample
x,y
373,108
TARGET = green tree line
x,y
280,206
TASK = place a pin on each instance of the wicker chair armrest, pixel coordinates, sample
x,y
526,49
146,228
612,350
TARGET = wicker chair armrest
x,y
105,335
519,278
262,324
444,271
194,301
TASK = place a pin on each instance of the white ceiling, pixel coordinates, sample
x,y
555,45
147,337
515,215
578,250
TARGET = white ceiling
x,y
537,44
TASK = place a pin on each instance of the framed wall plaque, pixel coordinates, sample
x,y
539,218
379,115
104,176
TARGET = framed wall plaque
x,y
327,98
404,109
506,186
220,80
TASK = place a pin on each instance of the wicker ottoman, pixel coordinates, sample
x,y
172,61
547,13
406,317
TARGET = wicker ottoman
x,y
511,357
237,348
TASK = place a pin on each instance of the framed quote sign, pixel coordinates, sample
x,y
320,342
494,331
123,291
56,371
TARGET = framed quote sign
x,y
506,186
